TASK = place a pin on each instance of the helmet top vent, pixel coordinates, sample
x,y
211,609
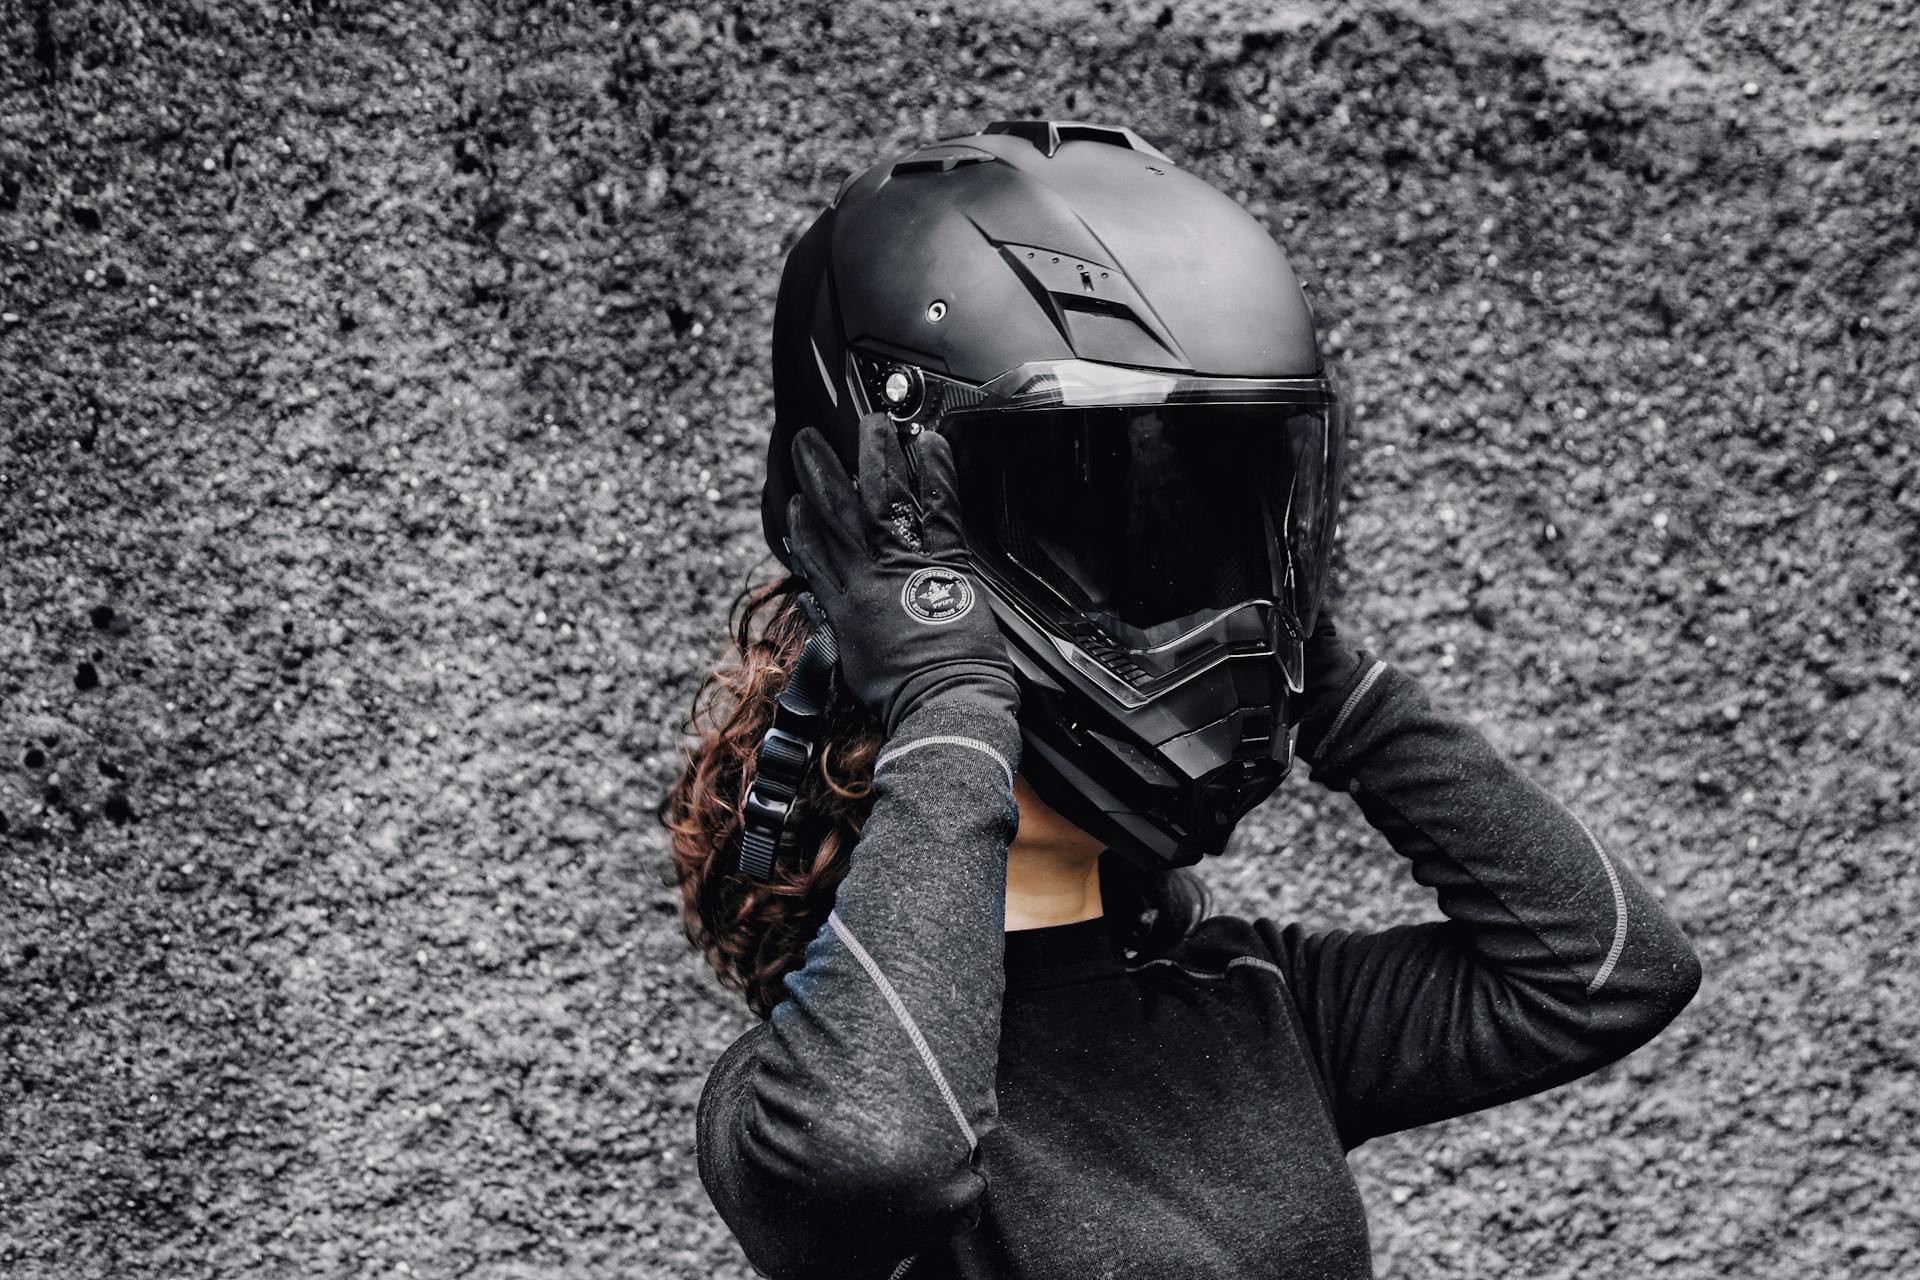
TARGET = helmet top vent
x,y
1049,135
940,159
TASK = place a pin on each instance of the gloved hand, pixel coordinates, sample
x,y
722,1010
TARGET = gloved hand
x,y
887,563
1331,667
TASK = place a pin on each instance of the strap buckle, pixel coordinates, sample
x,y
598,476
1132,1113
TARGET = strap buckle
x,y
786,753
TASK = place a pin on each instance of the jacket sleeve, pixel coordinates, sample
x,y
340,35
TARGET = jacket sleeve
x,y
1552,962
839,1138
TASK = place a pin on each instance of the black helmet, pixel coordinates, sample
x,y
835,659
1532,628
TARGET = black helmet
x,y
1148,444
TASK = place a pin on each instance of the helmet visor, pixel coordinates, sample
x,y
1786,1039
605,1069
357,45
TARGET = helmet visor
x,y
1157,539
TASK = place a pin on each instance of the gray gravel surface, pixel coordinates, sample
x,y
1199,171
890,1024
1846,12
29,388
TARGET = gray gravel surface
x,y
382,392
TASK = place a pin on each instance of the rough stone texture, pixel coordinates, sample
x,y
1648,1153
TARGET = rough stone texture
x,y
381,396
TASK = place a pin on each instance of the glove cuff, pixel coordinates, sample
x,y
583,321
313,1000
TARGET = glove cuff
x,y
1343,670
987,684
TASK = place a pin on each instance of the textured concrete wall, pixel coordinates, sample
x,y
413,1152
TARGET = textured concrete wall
x,y
381,399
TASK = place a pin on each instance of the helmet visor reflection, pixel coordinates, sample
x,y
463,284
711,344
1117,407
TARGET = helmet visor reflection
x,y
1157,538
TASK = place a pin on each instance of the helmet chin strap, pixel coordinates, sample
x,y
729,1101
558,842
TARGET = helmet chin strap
x,y
769,832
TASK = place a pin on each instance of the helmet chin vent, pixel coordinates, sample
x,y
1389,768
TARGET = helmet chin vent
x,y
1256,733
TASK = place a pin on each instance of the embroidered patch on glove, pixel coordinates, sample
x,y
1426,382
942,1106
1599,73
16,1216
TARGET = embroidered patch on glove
x,y
937,595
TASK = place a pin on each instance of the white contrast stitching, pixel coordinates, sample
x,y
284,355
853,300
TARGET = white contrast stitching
x,y
1255,961
1619,911
1353,700
902,1268
906,1021
948,740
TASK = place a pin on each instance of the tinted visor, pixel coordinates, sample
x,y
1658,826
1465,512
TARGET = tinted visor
x,y
1157,539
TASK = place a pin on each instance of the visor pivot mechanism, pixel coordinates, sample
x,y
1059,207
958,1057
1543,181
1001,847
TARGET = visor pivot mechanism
x,y
903,390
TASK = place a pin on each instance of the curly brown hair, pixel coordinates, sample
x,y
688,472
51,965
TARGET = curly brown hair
x,y
754,933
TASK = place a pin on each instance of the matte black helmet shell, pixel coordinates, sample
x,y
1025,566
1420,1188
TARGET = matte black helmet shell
x,y
1034,240
1054,294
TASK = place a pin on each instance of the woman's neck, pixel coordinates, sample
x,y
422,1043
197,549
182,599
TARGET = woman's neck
x,y
1053,868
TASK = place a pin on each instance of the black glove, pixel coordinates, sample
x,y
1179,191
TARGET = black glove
x,y
887,563
1332,666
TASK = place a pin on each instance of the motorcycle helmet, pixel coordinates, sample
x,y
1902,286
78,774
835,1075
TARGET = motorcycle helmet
x,y
1147,438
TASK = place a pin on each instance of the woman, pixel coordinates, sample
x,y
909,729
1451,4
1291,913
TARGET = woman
x,y
1001,1036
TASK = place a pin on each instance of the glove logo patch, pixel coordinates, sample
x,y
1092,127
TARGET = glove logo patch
x,y
937,595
